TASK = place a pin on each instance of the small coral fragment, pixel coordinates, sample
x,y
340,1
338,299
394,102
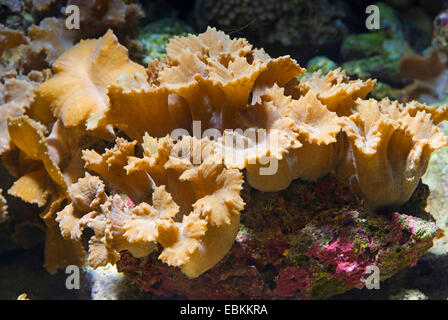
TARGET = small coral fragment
x,y
23,296
10,38
49,38
429,74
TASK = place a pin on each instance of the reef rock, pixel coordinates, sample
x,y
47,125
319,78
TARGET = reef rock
x,y
320,242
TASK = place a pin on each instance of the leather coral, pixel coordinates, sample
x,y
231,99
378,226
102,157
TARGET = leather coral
x,y
192,210
318,146
170,186
42,176
209,79
388,149
336,90
48,164
19,95
216,75
428,74
78,89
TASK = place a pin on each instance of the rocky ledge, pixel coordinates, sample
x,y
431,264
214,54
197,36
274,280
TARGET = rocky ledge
x,y
310,241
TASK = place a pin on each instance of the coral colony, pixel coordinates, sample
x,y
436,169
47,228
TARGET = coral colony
x,y
288,188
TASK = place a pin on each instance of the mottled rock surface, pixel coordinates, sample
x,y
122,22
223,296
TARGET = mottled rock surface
x,y
310,241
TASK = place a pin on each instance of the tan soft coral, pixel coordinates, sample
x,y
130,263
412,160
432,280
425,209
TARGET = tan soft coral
x,y
17,98
19,95
165,190
438,114
263,139
45,160
59,151
91,207
429,74
335,90
47,41
211,192
111,165
96,16
154,223
137,107
387,151
313,147
219,78
216,75
208,79
193,212
42,179
10,38
108,227
302,138
79,88
49,164
318,128
60,252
